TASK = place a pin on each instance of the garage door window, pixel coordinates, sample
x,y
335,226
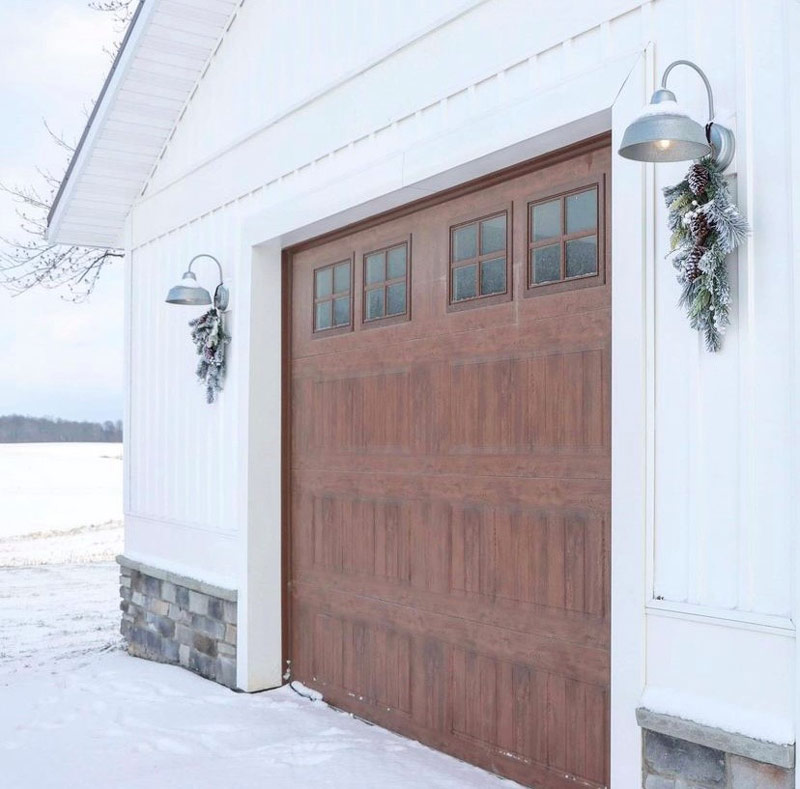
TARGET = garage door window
x,y
563,235
386,289
332,296
479,260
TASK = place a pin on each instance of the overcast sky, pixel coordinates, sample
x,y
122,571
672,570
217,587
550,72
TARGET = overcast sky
x,y
56,358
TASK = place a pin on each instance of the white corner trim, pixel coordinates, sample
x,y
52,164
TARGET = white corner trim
x,y
632,212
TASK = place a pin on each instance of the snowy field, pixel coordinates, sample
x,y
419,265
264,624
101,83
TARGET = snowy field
x,y
77,711
60,503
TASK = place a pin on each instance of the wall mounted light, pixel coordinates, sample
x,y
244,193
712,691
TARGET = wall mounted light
x,y
189,291
664,132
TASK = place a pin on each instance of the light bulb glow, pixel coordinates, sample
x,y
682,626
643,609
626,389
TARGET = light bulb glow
x,y
663,144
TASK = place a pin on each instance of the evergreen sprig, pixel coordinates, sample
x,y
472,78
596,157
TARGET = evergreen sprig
x,y
701,260
210,338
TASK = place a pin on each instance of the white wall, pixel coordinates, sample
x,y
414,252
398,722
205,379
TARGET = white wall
x,y
246,165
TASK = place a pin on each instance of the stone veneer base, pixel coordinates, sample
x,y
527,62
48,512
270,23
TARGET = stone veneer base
x,y
681,754
170,618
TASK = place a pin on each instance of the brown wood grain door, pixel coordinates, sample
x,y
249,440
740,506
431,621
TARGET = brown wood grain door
x,y
449,472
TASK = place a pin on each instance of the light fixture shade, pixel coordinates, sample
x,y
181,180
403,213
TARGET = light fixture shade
x,y
188,291
664,133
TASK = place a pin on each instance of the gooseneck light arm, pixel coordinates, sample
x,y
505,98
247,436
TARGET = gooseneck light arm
x,y
204,255
702,76
221,292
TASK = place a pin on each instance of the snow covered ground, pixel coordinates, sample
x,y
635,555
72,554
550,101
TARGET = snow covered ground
x,y
75,710
60,503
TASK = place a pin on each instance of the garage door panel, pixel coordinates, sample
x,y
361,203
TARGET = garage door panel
x,y
537,713
541,336
585,663
548,462
508,762
583,629
450,485
556,401
528,493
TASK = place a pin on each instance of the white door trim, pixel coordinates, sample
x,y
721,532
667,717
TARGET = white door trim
x,y
604,98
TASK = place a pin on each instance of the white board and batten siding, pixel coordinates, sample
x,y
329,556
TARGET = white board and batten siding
x,y
311,110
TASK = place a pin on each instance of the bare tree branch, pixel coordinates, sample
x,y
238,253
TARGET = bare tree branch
x,y
31,261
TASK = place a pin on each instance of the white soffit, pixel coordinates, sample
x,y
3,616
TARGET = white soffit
x,y
163,55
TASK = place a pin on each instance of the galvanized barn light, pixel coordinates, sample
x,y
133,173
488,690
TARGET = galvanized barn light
x,y
665,133
189,291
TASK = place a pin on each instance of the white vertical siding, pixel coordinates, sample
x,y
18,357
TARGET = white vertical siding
x,y
184,453
296,121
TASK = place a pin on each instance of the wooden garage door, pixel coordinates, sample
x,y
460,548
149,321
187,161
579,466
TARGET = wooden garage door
x,y
450,470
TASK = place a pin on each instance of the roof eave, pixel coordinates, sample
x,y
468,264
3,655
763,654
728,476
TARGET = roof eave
x,y
118,67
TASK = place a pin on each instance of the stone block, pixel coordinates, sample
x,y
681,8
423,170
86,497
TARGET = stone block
x,y
170,650
125,572
147,641
202,664
216,608
198,603
717,739
182,596
163,625
168,591
184,634
125,592
230,634
139,599
226,672
125,628
124,605
160,607
181,615
658,782
125,580
208,627
746,774
228,650
151,586
184,650
670,757
230,612
204,644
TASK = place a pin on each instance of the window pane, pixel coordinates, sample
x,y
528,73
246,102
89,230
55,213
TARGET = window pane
x,y
374,304
323,318
582,212
396,299
341,312
493,234
464,283
546,264
493,276
396,263
582,256
341,278
324,282
375,268
547,220
465,242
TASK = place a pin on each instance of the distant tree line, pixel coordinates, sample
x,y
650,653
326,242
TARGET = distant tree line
x,y
16,429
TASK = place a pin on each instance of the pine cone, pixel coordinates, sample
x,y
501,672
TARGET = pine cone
x,y
699,227
691,266
698,178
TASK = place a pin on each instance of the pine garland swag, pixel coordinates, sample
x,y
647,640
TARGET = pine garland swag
x,y
209,338
706,227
